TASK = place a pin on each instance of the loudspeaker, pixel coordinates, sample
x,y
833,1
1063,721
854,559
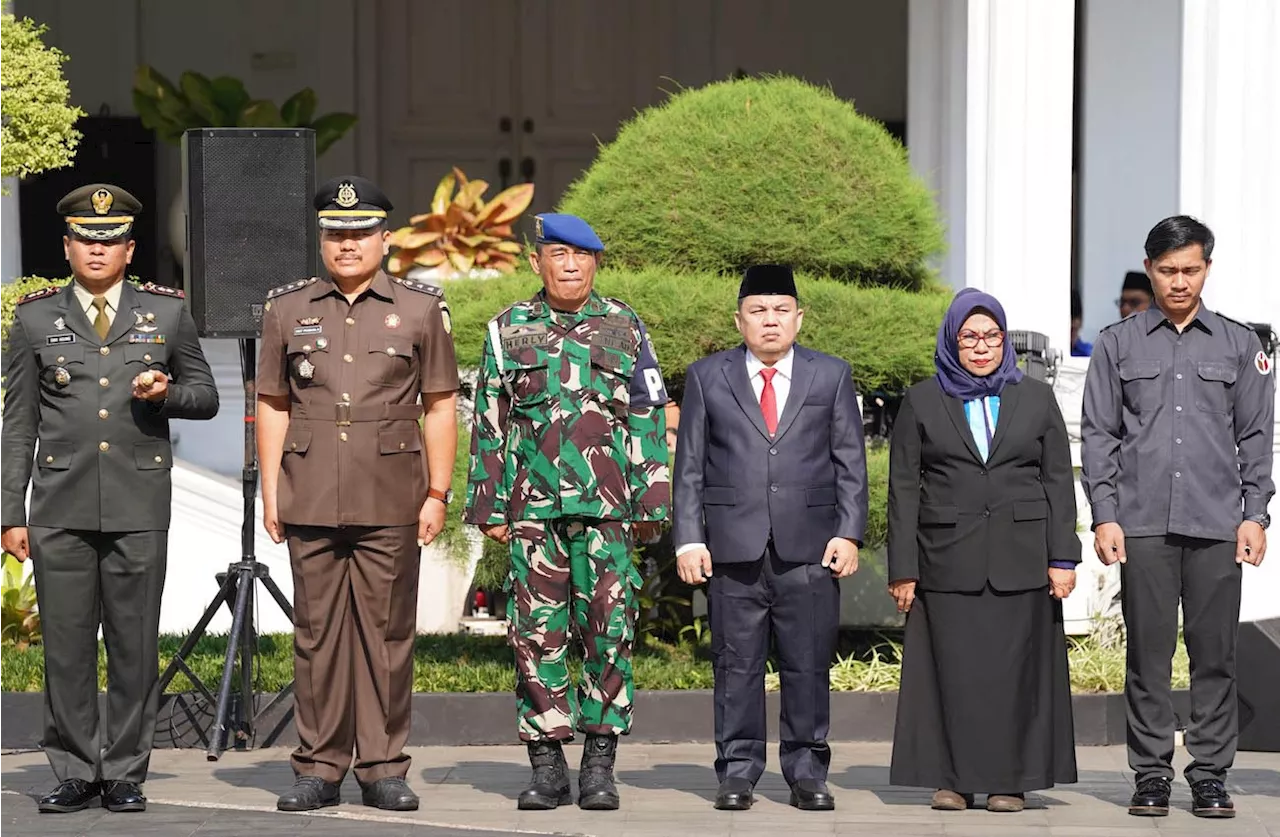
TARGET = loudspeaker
x,y
1258,685
250,223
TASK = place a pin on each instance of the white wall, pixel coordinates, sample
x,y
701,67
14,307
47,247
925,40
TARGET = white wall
x,y
1127,172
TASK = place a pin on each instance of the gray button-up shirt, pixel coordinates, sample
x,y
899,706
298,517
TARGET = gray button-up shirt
x,y
1177,428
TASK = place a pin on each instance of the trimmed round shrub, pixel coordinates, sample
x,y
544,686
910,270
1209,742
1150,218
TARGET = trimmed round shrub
x,y
760,170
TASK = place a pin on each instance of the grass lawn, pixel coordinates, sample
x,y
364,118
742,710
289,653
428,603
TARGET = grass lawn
x,y
460,663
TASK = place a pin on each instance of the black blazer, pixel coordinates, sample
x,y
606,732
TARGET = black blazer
x,y
735,487
957,523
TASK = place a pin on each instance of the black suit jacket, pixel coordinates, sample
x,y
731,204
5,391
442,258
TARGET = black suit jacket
x,y
957,523
735,485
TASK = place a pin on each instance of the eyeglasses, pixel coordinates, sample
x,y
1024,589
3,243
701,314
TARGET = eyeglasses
x,y
969,339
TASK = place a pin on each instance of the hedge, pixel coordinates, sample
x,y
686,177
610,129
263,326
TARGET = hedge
x,y
886,334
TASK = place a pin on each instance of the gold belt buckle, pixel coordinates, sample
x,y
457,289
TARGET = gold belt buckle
x,y
343,413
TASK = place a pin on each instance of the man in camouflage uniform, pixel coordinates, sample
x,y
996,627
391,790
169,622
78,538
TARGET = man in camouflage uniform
x,y
568,464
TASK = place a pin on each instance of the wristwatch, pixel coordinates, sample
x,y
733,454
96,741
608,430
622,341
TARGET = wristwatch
x,y
445,496
1263,520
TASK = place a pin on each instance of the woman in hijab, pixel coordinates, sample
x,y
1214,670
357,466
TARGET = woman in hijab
x,y
982,549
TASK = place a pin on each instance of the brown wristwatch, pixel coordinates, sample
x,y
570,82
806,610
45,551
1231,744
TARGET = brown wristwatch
x,y
445,496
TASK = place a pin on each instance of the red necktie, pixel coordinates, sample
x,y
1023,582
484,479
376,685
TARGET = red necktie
x,y
769,400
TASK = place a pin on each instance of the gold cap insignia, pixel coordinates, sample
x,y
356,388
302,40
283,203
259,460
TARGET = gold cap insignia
x,y
347,196
102,201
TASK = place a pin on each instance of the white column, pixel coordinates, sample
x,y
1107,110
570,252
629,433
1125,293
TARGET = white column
x,y
990,116
10,233
1230,179
1127,167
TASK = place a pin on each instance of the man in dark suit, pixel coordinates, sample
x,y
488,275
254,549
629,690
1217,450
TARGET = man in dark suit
x,y
771,492
96,369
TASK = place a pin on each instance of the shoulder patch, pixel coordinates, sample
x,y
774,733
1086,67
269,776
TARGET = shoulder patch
x,y
162,290
291,287
420,287
52,290
617,303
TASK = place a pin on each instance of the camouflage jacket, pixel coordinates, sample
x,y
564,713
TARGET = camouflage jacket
x,y
569,417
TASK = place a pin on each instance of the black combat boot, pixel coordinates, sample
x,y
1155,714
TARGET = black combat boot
x,y
596,790
549,787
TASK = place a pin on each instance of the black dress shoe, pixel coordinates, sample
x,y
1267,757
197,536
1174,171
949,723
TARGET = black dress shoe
x,y
389,794
1151,799
734,795
1210,799
68,797
123,796
309,793
812,795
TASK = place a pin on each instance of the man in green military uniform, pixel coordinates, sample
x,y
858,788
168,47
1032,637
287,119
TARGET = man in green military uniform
x,y
568,466
96,369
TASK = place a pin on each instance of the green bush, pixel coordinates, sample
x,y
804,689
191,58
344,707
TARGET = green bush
x,y
760,170
16,290
38,127
886,334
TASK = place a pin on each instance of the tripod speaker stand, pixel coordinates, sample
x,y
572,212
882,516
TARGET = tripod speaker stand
x,y
237,588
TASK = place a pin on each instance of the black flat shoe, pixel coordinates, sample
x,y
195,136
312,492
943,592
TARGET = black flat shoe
x,y
1210,799
123,796
309,793
812,795
734,795
389,794
1151,799
68,797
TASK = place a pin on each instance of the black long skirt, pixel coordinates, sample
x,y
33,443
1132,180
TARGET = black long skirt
x,y
985,701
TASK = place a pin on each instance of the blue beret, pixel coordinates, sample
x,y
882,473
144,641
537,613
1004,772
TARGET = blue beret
x,y
558,228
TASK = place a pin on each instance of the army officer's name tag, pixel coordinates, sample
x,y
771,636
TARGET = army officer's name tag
x,y
516,337
307,329
157,339
55,339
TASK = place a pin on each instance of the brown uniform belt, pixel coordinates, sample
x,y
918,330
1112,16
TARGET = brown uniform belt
x,y
344,413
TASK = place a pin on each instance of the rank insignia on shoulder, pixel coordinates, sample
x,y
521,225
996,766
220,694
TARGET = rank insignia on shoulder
x,y
291,287
40,294
162,290
420,287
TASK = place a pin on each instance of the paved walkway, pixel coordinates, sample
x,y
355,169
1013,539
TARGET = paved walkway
x,y
666,789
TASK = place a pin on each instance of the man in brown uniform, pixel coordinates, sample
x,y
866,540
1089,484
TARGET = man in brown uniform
x,y
356,487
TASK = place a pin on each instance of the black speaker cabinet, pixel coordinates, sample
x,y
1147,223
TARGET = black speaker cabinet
x,y
1258,684
250,224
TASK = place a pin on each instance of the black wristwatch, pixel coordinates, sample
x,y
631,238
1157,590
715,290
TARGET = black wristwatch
x,y
1263,520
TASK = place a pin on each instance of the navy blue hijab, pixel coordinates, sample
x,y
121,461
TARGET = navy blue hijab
x,y
954,379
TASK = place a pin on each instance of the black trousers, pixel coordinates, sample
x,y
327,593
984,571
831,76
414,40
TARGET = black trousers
x,y
798,605
84,579
1205,576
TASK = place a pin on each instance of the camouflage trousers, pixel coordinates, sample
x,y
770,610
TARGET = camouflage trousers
x,y
572,574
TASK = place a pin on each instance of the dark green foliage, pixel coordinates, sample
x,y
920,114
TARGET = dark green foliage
x,y
886,334
760,170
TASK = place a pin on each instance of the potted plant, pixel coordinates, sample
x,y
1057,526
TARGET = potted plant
x,y
223,102
462,235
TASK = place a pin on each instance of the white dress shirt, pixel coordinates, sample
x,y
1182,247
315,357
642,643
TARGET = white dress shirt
x,y
85,298
781,389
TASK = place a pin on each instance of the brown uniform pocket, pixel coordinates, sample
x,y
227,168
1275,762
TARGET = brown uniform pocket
x,y
390,360
308,363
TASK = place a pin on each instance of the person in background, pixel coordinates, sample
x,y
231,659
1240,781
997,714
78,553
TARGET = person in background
x,y
982,551
1079,348
1135,294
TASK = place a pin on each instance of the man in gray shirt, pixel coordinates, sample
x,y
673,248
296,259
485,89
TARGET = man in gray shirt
x,y
1177,428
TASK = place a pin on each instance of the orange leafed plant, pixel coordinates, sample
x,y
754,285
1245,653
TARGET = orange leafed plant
x,y
462,229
